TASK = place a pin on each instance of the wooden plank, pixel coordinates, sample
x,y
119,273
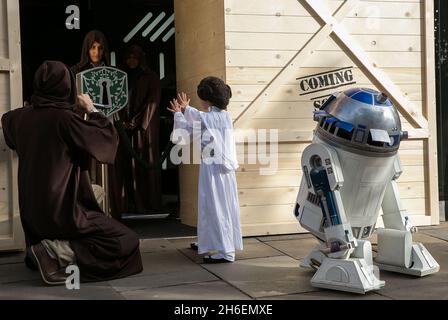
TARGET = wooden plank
x,y
415,206
319,59
259,229
282,109
361,59
412,190
411,157
291,178
5,99
263,75
267,196
287,196
4,48
430,113
291,163
366,9
399,1
4,64
411,145
268,213
285,24
284,149
274,8
307,125
295,41
285,93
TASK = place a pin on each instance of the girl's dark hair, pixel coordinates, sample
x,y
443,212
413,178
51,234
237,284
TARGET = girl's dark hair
x,y
90,38
216,91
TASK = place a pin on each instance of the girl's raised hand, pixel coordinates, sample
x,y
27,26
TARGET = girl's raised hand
x,y
183,100
175,106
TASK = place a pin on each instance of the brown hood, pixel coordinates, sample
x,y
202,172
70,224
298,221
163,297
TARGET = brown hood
x,y
54,86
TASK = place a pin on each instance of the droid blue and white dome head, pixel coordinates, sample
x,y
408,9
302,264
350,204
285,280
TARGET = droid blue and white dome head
x,y
362,121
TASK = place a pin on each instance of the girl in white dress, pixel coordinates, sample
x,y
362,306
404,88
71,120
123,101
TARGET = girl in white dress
x,y
219,229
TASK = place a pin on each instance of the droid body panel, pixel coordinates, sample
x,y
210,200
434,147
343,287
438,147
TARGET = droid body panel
x,y
349,173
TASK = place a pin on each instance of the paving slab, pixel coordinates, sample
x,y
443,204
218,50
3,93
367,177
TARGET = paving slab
x,y
155,245
161,268
285,237
183,245
296,248
440,233
252,248
426,238
418,291
441,225
257,249
11,257
10,273
330,295
215,290
162,279
37,290
265,277
400,286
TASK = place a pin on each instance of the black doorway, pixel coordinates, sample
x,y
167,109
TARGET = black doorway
x,y
148,23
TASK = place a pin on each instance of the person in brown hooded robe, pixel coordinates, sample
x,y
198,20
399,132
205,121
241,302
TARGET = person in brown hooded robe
x,y
62,221
94,53
133,187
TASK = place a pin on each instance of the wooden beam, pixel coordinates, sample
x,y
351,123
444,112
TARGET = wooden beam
x,y
4,64
376,76
418,134
242,121
15,85
431,174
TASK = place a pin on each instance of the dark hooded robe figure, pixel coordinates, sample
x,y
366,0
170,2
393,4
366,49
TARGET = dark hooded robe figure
x,y
133,187
94,53
63,223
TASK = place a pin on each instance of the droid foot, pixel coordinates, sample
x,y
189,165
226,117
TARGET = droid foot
x,y
352,275
422,263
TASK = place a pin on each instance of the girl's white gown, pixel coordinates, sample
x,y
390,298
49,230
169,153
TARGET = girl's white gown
x,y
219,226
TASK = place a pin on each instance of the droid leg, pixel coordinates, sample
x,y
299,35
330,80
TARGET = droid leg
x,y
396,251
341,262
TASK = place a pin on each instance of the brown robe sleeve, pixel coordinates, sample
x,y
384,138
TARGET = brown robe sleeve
x,y
96,136
148,98
6,125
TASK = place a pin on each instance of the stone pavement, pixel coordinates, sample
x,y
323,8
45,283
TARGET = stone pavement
x,y
266,269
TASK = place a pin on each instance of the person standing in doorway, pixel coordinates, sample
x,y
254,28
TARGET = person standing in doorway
x,y
94,53
136,188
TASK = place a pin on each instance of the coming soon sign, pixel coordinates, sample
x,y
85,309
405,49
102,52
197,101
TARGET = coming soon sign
x,y
315,85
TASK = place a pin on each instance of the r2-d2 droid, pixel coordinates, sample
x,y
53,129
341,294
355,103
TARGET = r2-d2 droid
x,y
349,173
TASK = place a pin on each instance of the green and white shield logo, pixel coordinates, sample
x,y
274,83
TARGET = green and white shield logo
x,y
106,86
